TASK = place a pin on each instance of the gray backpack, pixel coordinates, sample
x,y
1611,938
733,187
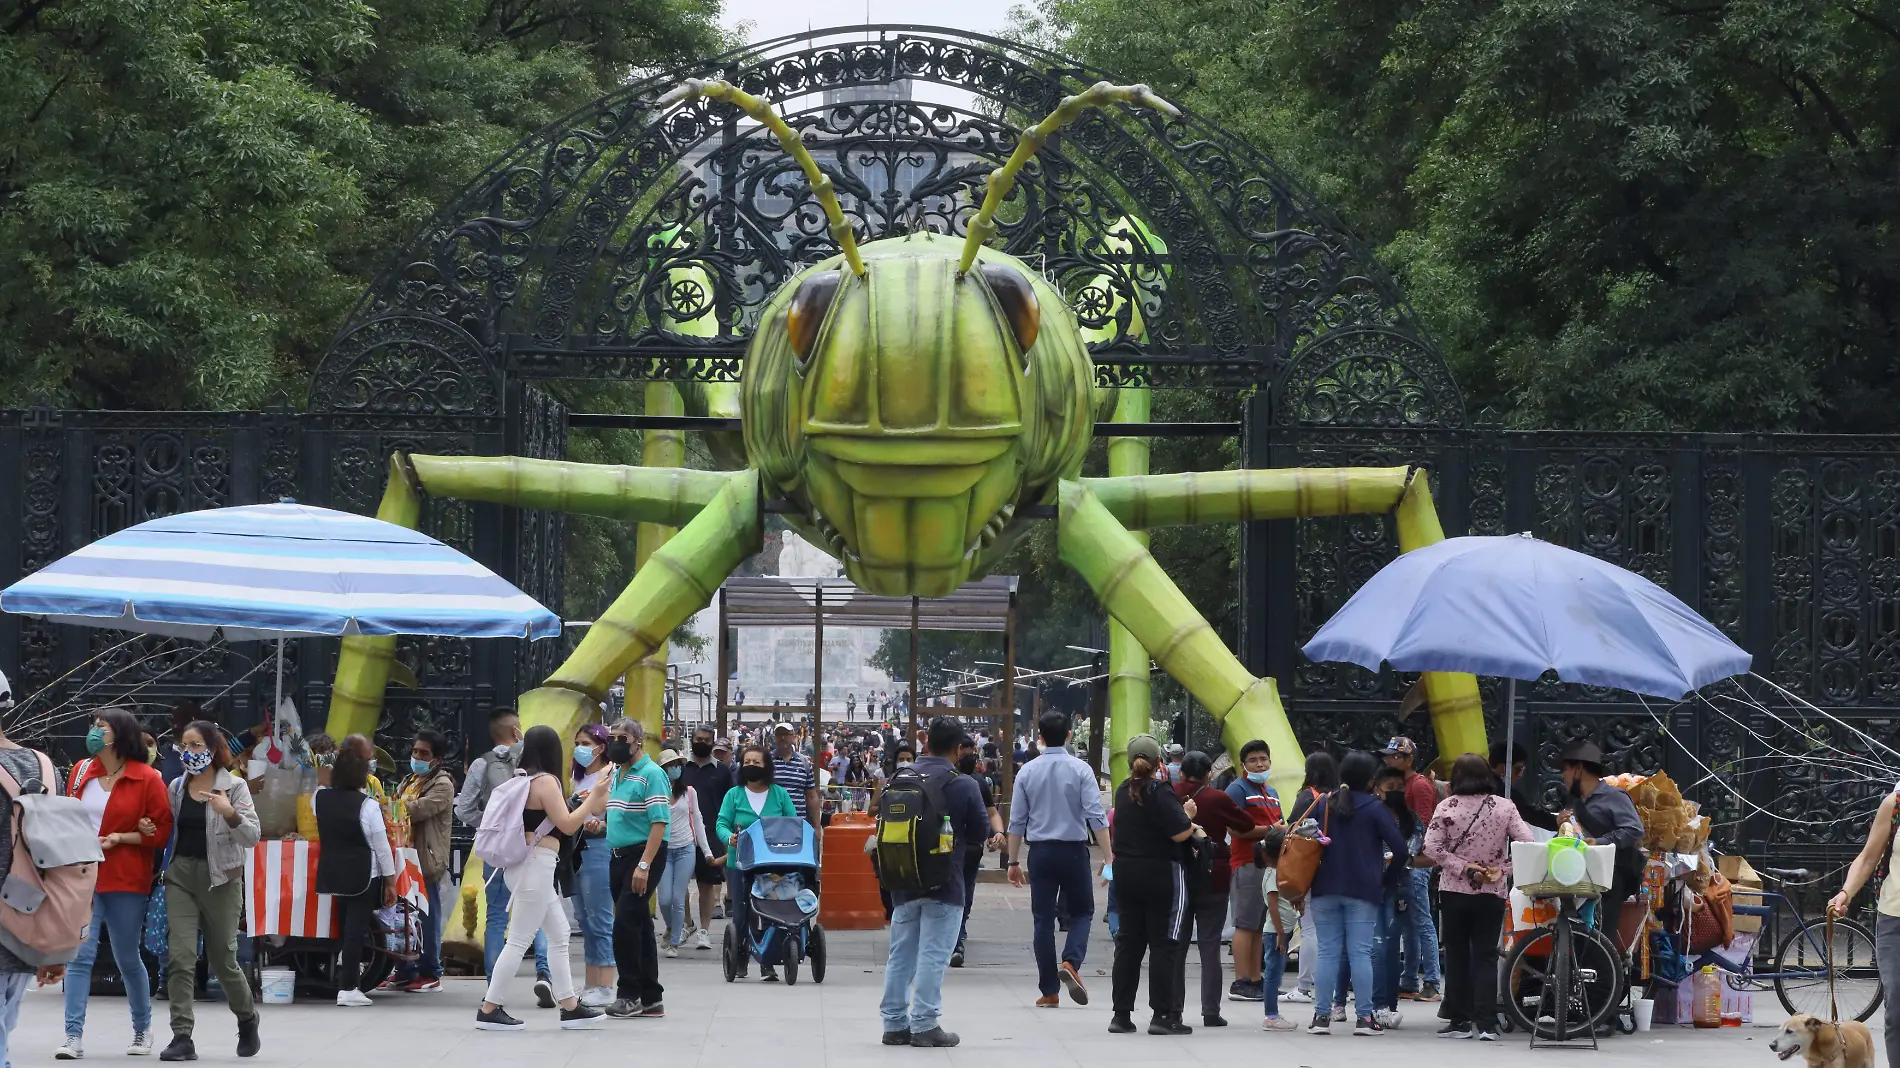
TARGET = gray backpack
x,y
497,768
46,898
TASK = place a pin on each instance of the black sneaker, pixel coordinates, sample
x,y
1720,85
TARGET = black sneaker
x,y
897,1038
1456,1030
655,1011
768,974
1168,1025
1213,1021
1120,1024
581,1017
248,1042
1322,1023
1367,1027
497,1019
543,992
956,956
180,1049
1246,990
624,1009
936,1036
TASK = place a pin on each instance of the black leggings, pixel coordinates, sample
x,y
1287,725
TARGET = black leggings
x,y
357,912
1468,928
1152,899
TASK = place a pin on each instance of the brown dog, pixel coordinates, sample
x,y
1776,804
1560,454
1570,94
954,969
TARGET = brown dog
x,y
1825,1045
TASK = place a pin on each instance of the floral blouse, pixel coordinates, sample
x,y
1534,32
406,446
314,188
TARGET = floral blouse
x,y
1468,830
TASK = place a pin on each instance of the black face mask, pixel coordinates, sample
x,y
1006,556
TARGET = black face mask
x,y
1395,798
620,751
967,765
702,750
752,773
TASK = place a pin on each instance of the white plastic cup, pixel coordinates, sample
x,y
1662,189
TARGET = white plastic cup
x,y
1643,1009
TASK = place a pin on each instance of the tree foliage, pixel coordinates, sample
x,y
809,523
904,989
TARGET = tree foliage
x,y
192,192
1612,213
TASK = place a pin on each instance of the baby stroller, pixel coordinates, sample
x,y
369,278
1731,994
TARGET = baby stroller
x,y
777,922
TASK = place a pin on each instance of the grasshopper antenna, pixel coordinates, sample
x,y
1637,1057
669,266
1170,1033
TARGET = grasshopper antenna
x,y
821,186
1003,179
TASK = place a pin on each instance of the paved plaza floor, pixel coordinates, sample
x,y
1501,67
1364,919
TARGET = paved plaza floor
x,y
718,1025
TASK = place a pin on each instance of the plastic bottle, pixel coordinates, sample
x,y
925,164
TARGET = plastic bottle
x,y
947,840
1708,998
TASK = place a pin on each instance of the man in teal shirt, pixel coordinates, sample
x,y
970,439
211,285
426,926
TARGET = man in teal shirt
x,y
638,808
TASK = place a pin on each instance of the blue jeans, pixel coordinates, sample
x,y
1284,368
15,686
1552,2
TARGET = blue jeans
x,y
923,932
1385,953
120,913
1345,926
1420,933
429,964
1059,881
593,906
12,991
495,929
1273,970
676,881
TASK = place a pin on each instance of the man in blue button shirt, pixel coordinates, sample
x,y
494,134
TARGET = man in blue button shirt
x,y
1055,807
924,926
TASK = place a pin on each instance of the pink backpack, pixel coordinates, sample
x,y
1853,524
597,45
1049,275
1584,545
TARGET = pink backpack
x,y
500,840
46,899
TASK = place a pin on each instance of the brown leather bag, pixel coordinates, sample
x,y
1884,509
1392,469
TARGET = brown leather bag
x,y
1712,923
1299,861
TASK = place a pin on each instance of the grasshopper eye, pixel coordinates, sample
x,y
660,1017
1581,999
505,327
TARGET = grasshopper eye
x,y
1018,299
807,313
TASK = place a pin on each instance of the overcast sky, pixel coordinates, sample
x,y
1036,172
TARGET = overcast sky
x,y
776,18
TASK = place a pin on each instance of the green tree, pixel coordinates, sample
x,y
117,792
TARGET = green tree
x,y
193,192
1612,213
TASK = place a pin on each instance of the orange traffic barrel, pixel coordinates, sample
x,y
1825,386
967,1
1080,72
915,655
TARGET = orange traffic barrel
x,y
848,898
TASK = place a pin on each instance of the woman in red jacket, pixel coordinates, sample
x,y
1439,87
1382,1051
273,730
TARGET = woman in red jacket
x,y
127,801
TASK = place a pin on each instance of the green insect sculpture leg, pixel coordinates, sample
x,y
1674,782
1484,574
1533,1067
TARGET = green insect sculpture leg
x,y
1140,595
636,494
1129,691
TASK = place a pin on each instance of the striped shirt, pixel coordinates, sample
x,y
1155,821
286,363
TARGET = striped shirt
x,y
796,775
642,796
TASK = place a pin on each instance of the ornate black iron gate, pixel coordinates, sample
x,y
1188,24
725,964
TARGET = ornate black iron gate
x,y
625,243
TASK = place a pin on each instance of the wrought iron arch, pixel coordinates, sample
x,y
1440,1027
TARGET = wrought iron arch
x,y
580,253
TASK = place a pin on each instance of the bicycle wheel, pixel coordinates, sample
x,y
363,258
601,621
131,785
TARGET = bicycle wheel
x,y
1536,987
1801,974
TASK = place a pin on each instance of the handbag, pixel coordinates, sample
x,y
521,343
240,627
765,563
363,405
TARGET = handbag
x,y
1299,861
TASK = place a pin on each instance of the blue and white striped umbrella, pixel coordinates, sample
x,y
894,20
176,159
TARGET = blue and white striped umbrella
x,y
274,571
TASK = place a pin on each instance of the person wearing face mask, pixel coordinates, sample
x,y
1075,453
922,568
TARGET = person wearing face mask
x,y
756,798
1389,926
486,772
1261,803
427,793
639,808
214,826
685,841
356,866
1229,830
593,892
126,799
973,857
1607,816
709,780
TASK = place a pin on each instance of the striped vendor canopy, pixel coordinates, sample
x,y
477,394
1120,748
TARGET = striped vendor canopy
x,y
278,570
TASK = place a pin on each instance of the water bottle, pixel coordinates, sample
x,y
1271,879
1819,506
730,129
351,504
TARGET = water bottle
x,y
946,838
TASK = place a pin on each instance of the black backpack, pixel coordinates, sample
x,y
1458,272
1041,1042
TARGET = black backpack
x,y
916,846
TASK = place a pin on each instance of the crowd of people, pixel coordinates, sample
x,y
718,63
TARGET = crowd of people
x,y
1406,903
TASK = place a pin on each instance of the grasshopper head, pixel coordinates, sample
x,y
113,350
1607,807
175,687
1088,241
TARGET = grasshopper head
x,y
911,410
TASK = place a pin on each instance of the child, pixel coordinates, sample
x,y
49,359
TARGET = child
x,y
1283,918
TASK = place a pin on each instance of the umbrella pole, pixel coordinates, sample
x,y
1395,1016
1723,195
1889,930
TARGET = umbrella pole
x,y
272,718
1510,732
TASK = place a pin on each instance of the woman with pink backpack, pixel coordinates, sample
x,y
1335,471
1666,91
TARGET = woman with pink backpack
x,y
523,828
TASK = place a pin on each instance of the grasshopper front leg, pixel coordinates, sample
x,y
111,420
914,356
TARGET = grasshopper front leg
x,y
1140,595
671,496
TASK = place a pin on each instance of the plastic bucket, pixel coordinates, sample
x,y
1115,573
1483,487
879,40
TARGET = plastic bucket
x,y
1644,1010
279,987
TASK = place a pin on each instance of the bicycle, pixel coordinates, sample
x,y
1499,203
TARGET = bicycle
x,y
1563,980
1804,956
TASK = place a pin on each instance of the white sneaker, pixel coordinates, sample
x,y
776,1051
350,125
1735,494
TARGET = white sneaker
x,y
1486,1036
1298,996
598,997
141,1045
672,951
701,941
1387,1018
69,1050
352,999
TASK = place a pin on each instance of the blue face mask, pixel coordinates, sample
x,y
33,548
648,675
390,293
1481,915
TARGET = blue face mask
x,y
420,767
673,772
1258,778
96,740
584,755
